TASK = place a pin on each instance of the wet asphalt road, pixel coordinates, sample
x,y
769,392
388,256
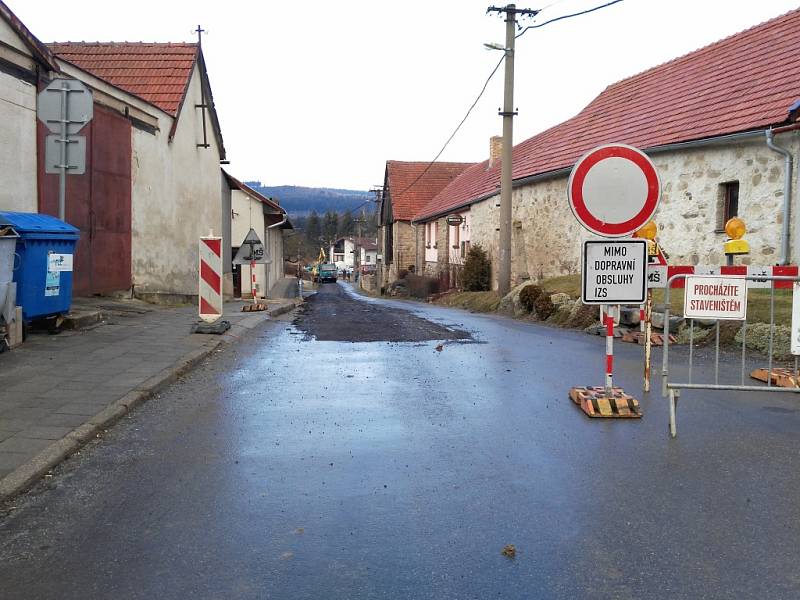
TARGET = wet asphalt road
x,y
296,468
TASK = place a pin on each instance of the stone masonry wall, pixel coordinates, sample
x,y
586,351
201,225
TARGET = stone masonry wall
x,y
546,238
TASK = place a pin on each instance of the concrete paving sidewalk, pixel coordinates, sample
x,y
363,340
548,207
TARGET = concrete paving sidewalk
x,y
59,391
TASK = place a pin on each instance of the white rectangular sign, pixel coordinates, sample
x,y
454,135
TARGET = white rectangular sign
x,y
614,272
715,297
756,272
657,276
795,343
59,262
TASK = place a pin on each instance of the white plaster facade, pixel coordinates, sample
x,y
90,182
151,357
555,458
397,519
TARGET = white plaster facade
x,y
176,195
247,213
368,257
546,238
346,259
18,191
458,237
431,233
176,199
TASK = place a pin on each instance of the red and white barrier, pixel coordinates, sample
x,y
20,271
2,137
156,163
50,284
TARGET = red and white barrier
x,y
609,352
210,280
663,273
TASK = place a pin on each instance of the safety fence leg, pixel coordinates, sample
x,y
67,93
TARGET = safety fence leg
x,y
673,406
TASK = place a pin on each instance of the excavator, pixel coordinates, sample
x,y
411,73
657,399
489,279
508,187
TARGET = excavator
x,y
320,261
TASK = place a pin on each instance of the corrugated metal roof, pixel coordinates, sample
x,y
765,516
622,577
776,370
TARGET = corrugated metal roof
x,y
746,81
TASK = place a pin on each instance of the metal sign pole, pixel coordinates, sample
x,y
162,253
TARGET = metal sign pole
x,y
609,349
62,176
648,337
253,276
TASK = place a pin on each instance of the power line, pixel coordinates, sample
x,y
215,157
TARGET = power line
x,y
561,18
430,164
486,84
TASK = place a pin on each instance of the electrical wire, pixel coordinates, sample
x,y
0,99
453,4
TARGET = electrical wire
x,y
562,17
486,84
430,164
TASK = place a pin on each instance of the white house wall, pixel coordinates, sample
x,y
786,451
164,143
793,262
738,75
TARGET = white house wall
x,y
275,249
249,213
17,128
176,199
546,238
18,153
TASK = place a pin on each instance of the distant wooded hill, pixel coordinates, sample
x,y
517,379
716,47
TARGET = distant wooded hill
x,y
300,201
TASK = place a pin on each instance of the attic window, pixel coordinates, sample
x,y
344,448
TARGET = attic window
x,y
727,203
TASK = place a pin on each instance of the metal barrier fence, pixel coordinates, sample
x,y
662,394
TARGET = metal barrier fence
x,y
672,388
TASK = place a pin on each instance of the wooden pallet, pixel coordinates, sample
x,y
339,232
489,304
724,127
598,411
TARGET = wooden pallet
x,y
594,401
780,377
254,307
637,337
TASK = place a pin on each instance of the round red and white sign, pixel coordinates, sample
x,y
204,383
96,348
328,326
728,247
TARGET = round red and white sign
x,y
614,190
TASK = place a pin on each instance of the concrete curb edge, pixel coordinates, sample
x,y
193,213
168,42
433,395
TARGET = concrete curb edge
x,y
24,476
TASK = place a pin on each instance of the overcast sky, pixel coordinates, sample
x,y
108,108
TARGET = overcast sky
x,y
322,93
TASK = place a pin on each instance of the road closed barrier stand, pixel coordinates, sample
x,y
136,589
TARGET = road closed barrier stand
x,y
613,191
718,298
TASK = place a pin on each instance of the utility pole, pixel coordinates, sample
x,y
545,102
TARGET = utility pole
x,y
508,112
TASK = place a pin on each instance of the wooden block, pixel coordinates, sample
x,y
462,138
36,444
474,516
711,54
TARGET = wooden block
x,y
604,406
14,329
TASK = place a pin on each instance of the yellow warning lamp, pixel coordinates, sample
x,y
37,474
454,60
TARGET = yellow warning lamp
x,y
649,232
735,228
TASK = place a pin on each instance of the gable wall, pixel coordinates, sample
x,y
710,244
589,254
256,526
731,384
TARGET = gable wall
x,y
177,199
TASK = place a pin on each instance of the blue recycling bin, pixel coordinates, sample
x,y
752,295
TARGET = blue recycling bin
x,y
43,269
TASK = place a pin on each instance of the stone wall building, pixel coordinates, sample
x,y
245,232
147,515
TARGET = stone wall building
x,y
720,124
407,187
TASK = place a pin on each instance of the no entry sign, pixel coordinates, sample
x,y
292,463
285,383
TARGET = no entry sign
x,y
709,297
614,190
614,272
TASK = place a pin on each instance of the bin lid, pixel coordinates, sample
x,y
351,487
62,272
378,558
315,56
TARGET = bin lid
x,y
33,223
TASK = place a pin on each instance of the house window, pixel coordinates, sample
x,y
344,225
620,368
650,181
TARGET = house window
x,y
728,203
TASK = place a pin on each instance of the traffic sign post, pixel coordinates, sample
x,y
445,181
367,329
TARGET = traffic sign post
x,y
613,191
65,106
251,250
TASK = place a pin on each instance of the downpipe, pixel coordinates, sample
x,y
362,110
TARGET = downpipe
x,y
787,193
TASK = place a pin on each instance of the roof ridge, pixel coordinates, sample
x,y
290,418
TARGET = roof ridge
x,y
701,50
139,43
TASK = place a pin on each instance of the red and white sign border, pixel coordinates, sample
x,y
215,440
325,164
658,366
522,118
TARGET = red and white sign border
x,y
575,190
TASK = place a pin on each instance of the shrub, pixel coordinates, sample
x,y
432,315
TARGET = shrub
x,y
420,286
528,296
544,307
477,272
402,273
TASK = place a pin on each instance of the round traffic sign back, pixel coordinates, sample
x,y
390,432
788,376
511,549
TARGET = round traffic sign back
x,y
614,190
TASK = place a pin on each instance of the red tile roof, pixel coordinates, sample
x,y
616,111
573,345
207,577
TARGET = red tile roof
x,y
744,82
157,73
409,189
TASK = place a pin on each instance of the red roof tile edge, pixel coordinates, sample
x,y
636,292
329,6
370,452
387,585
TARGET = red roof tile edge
x,y
476,184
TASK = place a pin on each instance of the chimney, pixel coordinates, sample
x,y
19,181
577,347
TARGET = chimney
x,y
495,150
